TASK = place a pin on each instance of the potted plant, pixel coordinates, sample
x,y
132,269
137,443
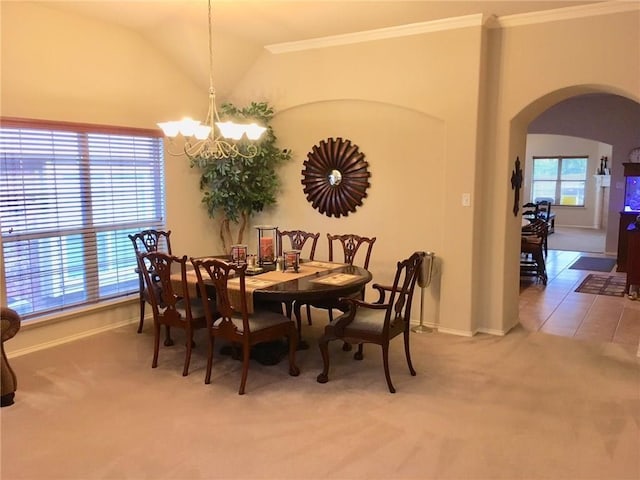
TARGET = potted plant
x,y
236,187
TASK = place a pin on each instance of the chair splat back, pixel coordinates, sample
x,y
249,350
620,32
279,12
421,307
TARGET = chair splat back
x,y
404,285
152,241
217,274
350,246
164,300
298,240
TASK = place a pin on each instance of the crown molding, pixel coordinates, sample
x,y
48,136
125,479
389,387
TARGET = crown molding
x,y
566,13
546,16
379,34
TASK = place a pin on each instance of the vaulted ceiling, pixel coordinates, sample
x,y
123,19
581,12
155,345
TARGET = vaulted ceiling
x,y
243,27
266,21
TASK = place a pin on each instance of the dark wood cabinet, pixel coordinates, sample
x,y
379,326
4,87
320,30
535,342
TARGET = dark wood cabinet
x,y
633,255
626,219
629,214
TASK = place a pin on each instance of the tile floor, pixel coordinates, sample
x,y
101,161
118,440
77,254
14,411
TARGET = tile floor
x,y
557,309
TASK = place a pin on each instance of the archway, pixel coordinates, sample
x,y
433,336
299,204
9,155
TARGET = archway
x,y
601,114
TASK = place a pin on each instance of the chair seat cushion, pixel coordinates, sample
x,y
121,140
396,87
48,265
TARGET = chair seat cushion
x,y
258,320
532,239
197,308
366,320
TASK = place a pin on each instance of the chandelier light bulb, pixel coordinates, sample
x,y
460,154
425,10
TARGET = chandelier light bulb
x,y
254,131
202,132
170,129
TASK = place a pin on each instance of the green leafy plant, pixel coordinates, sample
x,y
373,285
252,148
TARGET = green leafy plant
x,y
235,187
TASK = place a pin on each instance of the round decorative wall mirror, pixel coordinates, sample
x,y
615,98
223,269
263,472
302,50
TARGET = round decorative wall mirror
x,y
335,177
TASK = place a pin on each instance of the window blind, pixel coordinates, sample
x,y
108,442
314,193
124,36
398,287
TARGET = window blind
x,y
69,197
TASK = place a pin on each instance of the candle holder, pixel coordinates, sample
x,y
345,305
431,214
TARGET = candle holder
x,y
292,260
239,254
267,245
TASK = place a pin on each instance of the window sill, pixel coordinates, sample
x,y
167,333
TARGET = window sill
x,y
77,312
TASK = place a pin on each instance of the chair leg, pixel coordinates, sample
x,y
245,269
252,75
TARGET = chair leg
x,y
324,351
359,355
246,356
308,314
385,361
187,358
142,304
156,344
407,351
207,377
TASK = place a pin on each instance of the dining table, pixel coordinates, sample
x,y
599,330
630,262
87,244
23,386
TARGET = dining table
x,y
313,281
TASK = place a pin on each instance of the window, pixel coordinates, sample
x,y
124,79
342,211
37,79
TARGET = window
x,y
562,179
70,195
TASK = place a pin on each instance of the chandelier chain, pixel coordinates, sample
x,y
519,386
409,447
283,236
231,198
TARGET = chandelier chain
x,y
201,142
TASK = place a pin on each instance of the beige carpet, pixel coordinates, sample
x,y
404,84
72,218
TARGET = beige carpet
x,y
577,239
523,406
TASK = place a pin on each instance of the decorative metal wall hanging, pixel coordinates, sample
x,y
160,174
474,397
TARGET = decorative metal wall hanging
x,y
516,184
335,177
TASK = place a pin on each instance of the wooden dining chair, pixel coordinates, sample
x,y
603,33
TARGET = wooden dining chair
x,y
236,324
173,304
299,240
346,248
545,213
533,250
377,322
144,242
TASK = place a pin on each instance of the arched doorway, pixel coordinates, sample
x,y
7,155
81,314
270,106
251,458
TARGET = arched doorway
x,y
602,116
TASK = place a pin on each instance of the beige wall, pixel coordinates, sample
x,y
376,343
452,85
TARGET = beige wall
x,y
418,107
411,107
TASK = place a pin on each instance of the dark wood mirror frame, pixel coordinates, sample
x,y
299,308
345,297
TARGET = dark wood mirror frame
x,y
331,193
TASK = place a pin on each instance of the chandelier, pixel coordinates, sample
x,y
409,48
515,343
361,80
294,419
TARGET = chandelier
x,y
201,138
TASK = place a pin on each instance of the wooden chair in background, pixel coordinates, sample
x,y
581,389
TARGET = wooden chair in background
x,y
144,242
533,250
545,213
377,322
349,244
299,240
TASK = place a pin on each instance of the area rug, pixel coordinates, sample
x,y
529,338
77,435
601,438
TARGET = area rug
x,y
603,285
596,264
